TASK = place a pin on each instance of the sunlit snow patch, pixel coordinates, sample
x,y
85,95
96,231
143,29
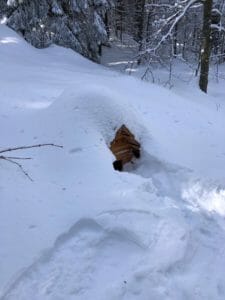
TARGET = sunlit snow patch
x,y
3,20
9,40
211,199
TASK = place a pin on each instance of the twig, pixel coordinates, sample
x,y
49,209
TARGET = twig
x,y
19,165
29,147
12,159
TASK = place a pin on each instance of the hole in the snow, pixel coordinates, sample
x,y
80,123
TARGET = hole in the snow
x,y
125,148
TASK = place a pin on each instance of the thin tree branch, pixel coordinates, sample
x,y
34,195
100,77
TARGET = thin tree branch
x,y
19,165
29,147
176,17
15,157
11,159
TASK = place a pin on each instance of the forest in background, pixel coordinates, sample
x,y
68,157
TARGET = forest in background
x,y
189,30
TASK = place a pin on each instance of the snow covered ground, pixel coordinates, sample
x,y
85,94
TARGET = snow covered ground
x,y
83,231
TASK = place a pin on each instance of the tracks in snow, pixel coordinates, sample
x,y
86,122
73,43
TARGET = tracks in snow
x,y
81,265
97,259
132,253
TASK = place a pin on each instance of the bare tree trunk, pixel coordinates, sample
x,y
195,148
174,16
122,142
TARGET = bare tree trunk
x,y
119,19
175,43
206,46
143,27
142,24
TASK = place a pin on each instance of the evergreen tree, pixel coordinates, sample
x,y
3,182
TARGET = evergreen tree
x,y
76,24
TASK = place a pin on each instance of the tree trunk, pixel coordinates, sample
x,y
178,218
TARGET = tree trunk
x,y
206,46
175,43
142,27
141,23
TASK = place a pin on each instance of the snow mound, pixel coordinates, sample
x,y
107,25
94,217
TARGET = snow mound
x,y
129,254
74,267
103,109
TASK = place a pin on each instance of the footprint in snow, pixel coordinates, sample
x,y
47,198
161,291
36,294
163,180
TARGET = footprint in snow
x,y
86,260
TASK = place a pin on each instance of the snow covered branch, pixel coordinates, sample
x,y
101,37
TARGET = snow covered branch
x,y
175,18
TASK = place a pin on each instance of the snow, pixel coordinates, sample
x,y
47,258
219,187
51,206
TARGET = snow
x,y
84,231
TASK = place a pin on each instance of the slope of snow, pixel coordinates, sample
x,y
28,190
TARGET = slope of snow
x,y
84,231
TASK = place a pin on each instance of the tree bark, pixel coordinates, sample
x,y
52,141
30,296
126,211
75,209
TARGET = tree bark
x,y
206,46
142,23
175,52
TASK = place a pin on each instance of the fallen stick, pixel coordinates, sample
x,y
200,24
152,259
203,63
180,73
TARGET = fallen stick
x,y
29,147
11,159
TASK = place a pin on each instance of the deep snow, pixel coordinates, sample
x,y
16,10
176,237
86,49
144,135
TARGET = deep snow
x,y
84,231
